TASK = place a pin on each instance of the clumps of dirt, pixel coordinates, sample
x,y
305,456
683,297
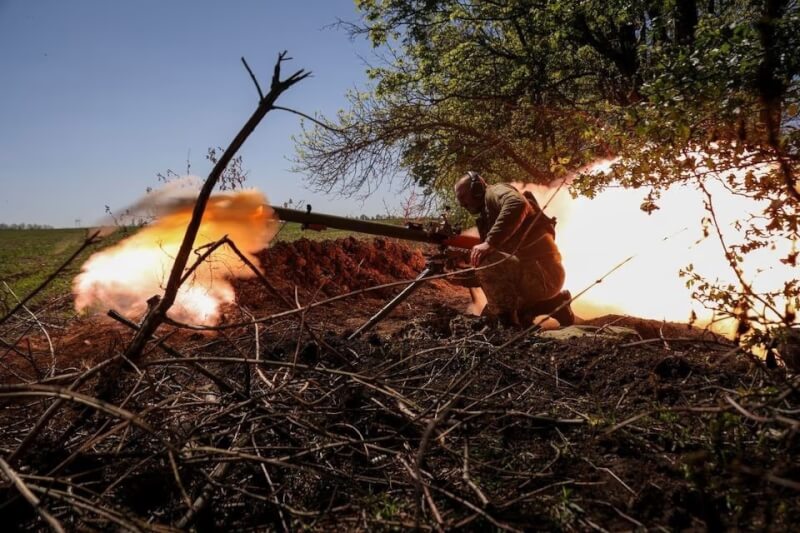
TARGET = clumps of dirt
x,y
650,329
436,322
341,265
321,269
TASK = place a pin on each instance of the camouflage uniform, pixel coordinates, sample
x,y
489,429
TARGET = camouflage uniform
x,y
533,272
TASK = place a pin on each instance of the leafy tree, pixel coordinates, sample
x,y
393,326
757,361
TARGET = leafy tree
x,y
526,90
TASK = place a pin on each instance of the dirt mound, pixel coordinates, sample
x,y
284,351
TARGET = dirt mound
x,y
321,269
341,265
650,329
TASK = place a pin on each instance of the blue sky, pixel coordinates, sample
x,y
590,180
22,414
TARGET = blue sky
x,y
99,96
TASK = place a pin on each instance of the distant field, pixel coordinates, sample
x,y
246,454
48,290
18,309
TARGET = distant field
x,y
27,257
291,231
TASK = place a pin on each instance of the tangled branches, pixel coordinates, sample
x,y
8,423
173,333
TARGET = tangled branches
x,y
266,426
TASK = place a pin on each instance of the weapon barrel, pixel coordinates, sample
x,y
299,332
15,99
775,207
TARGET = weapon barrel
x,y
321,221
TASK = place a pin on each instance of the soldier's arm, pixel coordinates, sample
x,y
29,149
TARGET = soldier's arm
x,y
513,207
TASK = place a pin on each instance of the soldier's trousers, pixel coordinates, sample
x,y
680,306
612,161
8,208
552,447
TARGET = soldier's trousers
x,y
516,284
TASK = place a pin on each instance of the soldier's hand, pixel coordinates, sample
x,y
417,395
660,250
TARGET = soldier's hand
x,y
479,253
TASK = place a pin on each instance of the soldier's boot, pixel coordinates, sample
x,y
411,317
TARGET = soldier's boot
x,y
565,316
507,319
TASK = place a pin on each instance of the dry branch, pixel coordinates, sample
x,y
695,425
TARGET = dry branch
x,y
155,317
26,493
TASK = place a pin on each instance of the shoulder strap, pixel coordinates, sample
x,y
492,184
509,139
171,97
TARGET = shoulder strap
x,y
543,221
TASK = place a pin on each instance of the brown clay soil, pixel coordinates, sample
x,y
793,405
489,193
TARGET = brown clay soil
x,y
435,419
322,269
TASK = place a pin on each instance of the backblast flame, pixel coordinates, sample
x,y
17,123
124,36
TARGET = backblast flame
x,y
596,234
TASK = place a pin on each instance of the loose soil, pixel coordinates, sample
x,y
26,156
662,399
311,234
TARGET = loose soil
x,y
320,269
666,429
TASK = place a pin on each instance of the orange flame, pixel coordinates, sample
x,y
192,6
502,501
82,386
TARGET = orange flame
x,y
125,275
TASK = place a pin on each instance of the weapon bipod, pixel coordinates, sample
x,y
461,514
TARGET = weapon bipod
x,y
433,266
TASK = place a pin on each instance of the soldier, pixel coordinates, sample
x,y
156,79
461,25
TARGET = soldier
x,y
528,277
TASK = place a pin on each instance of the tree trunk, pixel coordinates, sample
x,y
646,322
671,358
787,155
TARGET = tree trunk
x,y
685,21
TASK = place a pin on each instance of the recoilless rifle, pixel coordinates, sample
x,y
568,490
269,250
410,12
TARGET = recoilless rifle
x,y
452,246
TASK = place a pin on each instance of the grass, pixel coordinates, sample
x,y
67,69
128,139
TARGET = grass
x,y
27,257
292,231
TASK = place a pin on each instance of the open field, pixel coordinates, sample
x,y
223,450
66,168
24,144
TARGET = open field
x,y
27,257
291,231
